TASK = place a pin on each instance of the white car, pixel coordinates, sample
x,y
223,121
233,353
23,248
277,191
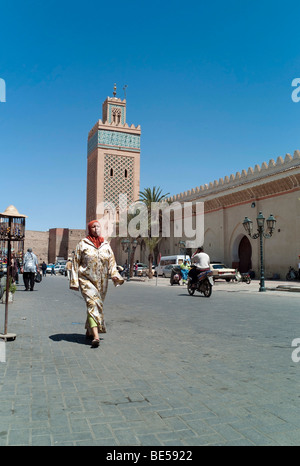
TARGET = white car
x,y
60,268
221,271
142,270
49,268
167,270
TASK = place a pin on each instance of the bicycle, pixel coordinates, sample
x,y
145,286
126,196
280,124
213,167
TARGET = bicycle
x,y
292,274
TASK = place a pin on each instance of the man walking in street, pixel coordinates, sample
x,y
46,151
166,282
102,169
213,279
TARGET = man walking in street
x,y
44,268
29,269
69,268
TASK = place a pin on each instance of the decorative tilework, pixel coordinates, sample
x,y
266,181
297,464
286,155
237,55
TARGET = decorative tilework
x,y
118,183
103,138
115,138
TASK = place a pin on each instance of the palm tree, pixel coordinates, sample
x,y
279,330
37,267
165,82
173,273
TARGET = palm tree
x,y
147,197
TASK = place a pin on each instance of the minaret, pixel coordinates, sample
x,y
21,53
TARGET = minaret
x,y
113,159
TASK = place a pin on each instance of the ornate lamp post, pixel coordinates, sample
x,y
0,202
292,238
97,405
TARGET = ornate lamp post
x,y
127,246
248,225
12,228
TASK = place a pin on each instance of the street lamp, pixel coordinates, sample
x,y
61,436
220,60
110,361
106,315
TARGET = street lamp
x,y
127,246
248,225
12,228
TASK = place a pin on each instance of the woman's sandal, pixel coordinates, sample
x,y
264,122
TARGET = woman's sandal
x,y
95,343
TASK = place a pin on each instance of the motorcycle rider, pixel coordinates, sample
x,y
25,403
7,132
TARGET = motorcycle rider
x,y
202,262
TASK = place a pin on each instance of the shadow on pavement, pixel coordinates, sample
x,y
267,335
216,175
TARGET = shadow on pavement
x,y
71,338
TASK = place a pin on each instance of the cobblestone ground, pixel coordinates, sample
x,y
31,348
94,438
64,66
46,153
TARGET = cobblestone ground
x,y
171,370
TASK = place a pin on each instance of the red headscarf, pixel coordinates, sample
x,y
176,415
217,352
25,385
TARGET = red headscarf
x,y
96,240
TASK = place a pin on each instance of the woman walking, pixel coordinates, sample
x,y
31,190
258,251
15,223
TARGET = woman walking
x,y
92,263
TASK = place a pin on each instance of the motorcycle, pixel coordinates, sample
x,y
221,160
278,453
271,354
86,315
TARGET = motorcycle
x,y
175,276
203,284
292,274
242,277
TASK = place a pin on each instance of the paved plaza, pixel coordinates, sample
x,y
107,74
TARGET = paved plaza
x,y
172,370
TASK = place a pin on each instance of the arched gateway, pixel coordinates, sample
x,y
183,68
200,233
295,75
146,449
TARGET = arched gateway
x,y
245,254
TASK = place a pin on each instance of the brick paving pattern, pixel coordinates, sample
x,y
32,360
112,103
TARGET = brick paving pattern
x,y
173,370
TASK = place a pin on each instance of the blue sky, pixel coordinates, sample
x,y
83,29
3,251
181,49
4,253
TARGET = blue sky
x,y
209,83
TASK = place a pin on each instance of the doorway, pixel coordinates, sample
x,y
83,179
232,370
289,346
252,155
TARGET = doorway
x,y
245,254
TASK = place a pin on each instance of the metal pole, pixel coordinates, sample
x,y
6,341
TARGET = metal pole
x,y
7,279
262,273
129,265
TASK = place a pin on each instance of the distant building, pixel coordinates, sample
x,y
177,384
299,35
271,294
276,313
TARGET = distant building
x,y
57,242
272,188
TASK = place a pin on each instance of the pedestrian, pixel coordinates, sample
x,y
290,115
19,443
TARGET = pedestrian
x,y
299,268
93,261
69,268
29,269
184,271
44,268
53,269
14,269
18,270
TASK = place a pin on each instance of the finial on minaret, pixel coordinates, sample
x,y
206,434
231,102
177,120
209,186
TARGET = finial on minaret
x,y
115,90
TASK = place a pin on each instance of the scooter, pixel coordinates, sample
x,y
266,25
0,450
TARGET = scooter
x,y
203,284
242,277
175,276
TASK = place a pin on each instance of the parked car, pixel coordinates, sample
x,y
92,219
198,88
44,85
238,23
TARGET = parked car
x,y
167,270
142,270
60,268
3,267
221,271
49,268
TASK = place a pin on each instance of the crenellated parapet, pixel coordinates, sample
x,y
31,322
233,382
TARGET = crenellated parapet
x,y
259,172
113,125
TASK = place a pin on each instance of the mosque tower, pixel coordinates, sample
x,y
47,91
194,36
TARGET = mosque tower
x,y
113,159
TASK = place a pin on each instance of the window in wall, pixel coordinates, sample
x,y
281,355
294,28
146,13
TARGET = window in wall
x,y
111,172
116,115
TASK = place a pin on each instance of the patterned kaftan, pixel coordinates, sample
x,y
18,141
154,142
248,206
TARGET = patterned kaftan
x,y
90,270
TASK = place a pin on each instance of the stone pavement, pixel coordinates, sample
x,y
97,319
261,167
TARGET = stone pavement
x,y
171,370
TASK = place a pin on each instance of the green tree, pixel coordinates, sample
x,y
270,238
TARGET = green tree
x,y
148,196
